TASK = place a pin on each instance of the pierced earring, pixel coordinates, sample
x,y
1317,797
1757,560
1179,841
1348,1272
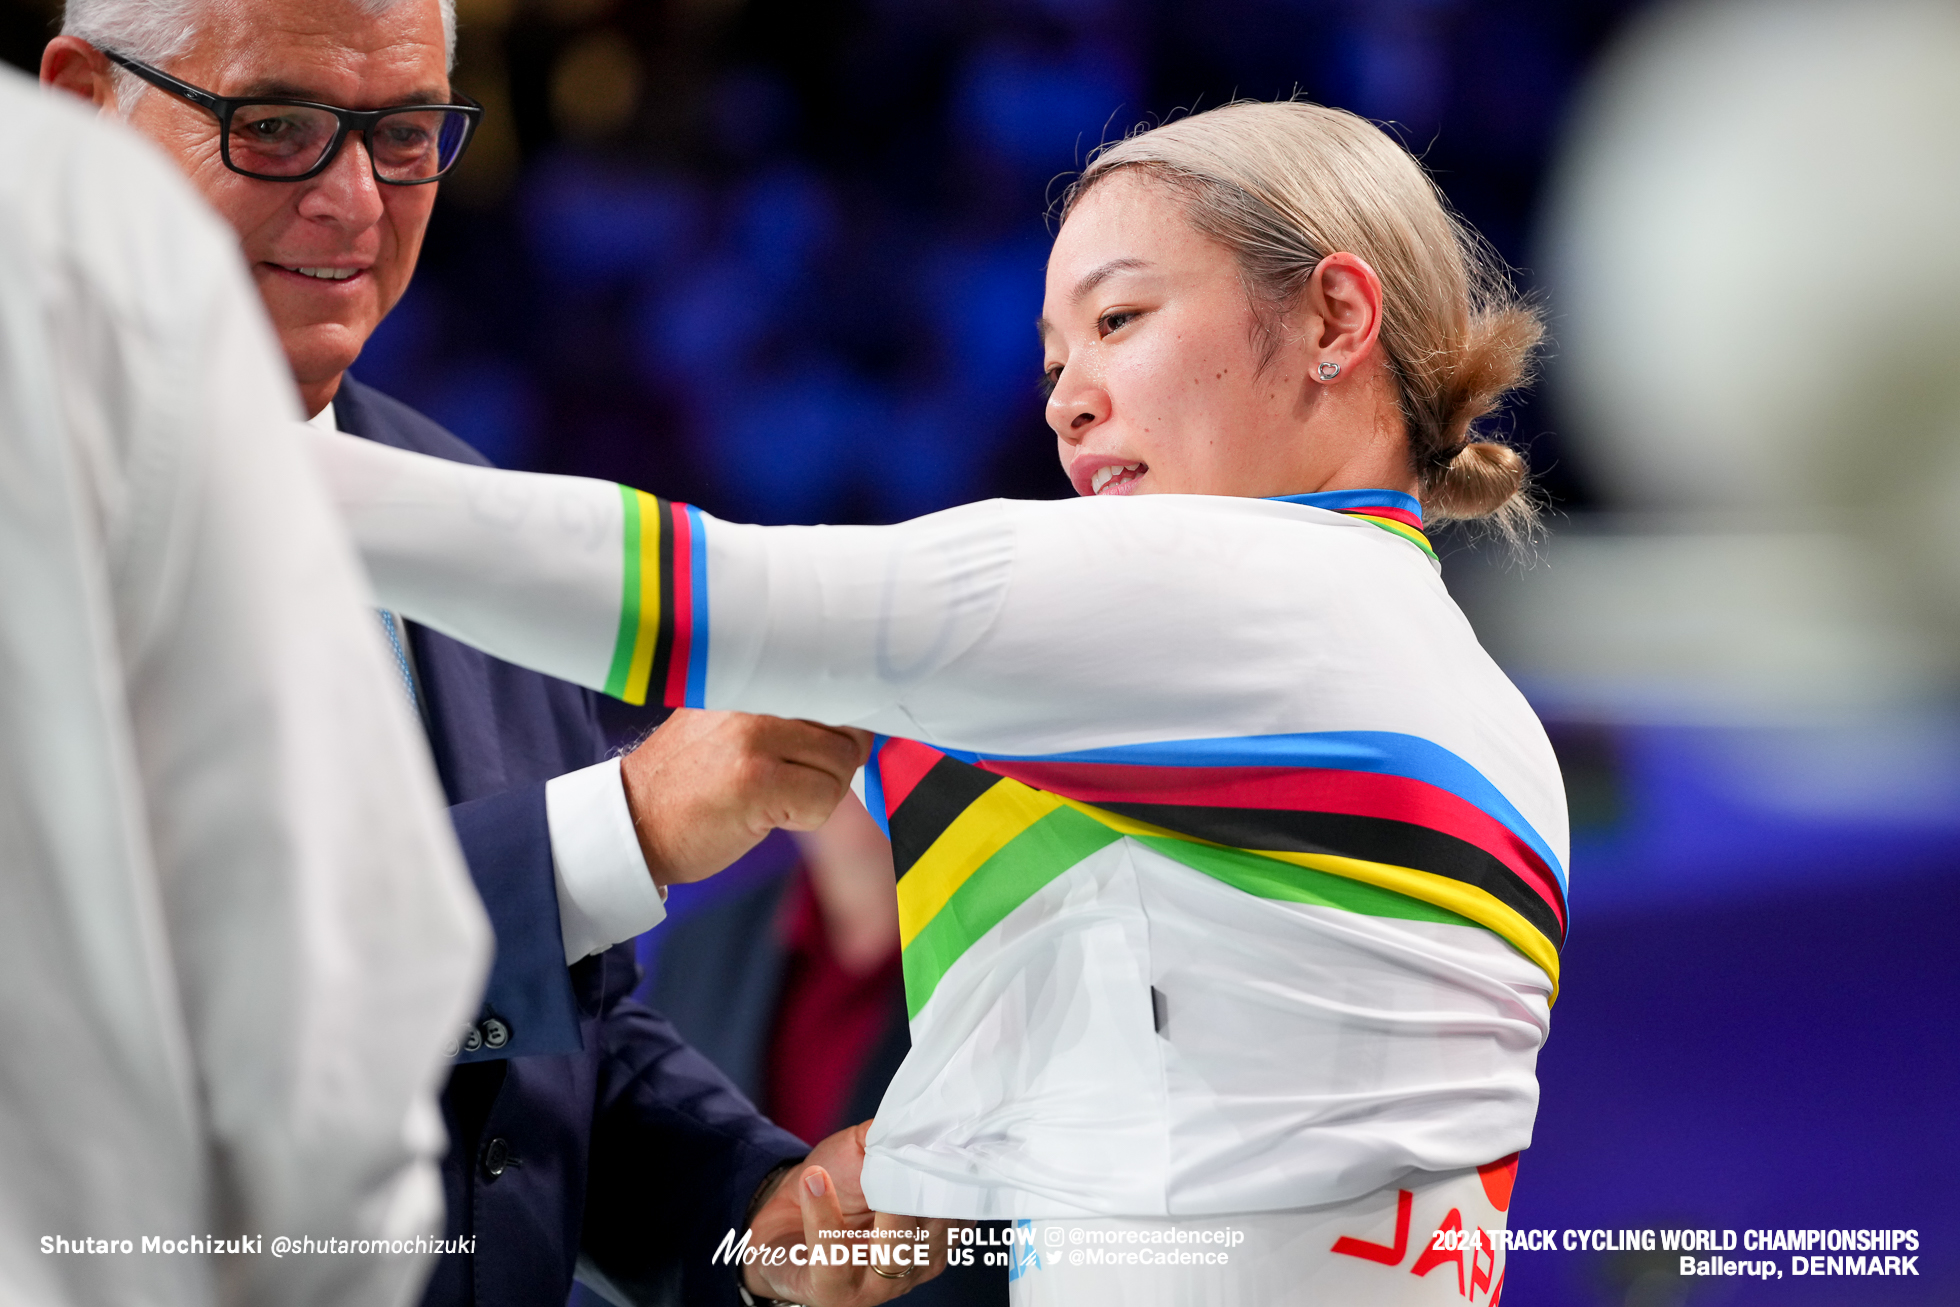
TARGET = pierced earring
x,y
1328,371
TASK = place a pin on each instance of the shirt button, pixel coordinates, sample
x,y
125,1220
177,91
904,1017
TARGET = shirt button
x,y
495,1158
472,1039
495,1033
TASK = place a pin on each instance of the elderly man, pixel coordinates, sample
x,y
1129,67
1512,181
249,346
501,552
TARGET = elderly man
x,y
583,1131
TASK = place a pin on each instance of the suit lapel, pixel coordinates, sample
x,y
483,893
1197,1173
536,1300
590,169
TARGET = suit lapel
x,y
462,715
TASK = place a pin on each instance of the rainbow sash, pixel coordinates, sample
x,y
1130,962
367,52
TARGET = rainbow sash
x,y
1378,823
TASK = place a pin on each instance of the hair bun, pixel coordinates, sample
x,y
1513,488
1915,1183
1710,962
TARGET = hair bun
x,y
1496,356
1482,480
1464,475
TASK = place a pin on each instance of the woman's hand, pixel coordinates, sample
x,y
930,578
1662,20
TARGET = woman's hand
x,y
819,1202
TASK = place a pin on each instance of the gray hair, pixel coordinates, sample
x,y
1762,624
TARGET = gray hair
x,y
154,31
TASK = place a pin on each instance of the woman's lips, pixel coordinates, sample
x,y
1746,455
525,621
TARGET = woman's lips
x,y
1116,478
1104,474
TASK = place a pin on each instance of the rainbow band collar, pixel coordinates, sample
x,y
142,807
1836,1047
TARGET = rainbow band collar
x,y
1391,510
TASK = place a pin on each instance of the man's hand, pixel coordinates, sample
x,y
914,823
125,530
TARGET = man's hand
x,y
821,1196
707,786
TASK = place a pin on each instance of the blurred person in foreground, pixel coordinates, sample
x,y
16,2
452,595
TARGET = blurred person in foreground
x,y
1231,868
584,1133
1782,547
234,927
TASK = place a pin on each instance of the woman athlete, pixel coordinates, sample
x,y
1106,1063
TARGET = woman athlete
x,y
1231,869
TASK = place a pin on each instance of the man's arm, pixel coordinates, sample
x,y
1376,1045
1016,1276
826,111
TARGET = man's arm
x,y
676,1158
683,1166
696,794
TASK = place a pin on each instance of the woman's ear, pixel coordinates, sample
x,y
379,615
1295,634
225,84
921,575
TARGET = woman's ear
x,y
1345,295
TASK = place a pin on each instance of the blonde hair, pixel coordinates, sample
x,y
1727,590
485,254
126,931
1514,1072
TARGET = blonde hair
x,y
1282,186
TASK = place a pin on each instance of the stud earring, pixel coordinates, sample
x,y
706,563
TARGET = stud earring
x,y
1328,371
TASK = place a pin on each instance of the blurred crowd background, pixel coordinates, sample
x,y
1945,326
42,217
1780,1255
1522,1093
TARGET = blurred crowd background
x,y
782,258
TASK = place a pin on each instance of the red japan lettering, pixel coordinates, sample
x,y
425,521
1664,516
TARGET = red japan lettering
x,y
1435,1256
1386,1254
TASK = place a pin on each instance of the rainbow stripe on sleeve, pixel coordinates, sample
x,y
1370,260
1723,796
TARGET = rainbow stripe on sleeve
x,y
1378,823
662,646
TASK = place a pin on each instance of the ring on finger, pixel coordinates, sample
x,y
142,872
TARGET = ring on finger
x,y
891,1275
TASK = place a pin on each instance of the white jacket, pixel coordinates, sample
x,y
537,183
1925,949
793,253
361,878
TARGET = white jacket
x,y
235,929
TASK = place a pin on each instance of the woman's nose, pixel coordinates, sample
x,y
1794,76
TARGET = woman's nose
x,y
1075,408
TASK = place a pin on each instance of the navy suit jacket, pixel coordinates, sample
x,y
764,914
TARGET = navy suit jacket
x,y
596,1138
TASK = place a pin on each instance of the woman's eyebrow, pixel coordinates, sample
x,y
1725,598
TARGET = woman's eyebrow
x,y
1095,278
1104,273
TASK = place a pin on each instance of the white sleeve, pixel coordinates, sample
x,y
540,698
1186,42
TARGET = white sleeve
x,y
855,625
992,620
605,893
524,566
652,601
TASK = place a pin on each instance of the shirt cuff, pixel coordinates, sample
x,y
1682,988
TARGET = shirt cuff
x,y
605,893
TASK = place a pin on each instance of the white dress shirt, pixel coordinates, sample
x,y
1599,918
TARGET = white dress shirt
x,y
235,928
605,893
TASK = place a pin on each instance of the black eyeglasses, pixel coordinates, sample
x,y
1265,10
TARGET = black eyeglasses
x,y
280,140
